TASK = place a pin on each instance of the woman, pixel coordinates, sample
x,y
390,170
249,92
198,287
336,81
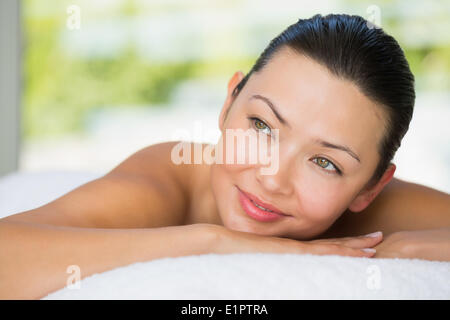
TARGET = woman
x,y
334,95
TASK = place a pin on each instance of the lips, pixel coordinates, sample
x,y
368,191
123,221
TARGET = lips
x,y
257,209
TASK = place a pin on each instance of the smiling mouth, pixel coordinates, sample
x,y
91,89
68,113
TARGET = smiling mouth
x,y
257,209
260,206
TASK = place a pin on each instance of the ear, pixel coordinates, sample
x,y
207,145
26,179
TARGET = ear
x,y
366,196
232,84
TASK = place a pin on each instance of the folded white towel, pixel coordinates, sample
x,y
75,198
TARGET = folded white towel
x,y
268,276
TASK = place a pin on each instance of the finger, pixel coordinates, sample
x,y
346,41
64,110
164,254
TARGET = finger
x,y
335,249
366,241
343,239
352,252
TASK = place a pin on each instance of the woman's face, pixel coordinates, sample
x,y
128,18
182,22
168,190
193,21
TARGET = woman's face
x,y
328,137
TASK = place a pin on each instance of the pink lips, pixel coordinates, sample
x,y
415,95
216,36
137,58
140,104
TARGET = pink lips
x,y
248,201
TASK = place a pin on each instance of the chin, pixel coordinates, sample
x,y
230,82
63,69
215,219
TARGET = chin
x,y
234,221
238,221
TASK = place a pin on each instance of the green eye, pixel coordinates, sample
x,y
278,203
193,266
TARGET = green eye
x,y
327,165
261,126
323,162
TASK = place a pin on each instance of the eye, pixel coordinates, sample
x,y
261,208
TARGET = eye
x,y
260,125
327,165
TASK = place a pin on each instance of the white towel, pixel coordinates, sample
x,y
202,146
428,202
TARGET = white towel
x,y
267,276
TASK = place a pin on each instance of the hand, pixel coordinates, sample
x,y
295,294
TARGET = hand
x,y
433,244
231,241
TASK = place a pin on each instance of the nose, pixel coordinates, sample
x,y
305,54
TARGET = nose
x,y
279,182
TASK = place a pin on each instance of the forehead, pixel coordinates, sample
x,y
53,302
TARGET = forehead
x,y
317,103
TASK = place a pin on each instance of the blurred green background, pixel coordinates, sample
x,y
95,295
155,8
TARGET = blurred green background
x,y
137,72
115,59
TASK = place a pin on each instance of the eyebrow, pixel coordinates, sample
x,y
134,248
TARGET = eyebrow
x,y
327,144
272,107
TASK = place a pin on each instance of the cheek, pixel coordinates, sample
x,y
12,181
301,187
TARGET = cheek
x,y
321,201
221,183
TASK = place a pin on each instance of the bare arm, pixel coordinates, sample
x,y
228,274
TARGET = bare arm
x,y
144,191
34,258
431,244
134,213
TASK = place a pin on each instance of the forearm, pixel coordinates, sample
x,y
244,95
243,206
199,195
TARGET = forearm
x,y
34,258
431,244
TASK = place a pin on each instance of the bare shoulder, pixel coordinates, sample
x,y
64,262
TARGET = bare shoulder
x,y
400,206
145,190
182,185
156,163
